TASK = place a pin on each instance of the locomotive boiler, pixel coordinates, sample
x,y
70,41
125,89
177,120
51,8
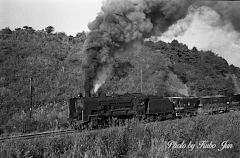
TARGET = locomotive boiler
x,y
101,110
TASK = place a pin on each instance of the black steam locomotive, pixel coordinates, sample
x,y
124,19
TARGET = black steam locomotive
x,y
102,110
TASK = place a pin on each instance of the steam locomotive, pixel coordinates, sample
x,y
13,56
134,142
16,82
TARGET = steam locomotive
x,y
103,110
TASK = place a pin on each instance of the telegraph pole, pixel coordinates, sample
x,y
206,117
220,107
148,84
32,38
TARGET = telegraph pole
x,y
141,80
31,97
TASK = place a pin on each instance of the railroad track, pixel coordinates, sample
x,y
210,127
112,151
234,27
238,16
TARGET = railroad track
x,y
53,133
37,135
46,134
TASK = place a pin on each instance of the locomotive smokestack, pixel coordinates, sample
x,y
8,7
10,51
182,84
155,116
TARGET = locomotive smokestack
x,y
87,85
87,93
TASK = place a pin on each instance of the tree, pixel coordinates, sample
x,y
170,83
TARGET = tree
x,y
61,35
29,29
18,29
82,36
49,29
6,30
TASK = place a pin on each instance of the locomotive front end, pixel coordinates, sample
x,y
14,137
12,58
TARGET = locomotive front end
x,y
76,109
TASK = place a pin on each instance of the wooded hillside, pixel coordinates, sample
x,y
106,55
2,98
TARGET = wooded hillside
x,y
54,62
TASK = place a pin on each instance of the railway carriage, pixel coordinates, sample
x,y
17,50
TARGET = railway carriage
x,y
185,106
214,104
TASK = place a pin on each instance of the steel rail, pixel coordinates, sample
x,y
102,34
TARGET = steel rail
x,y
37,135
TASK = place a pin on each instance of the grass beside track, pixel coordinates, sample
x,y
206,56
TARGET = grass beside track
x,y
139,140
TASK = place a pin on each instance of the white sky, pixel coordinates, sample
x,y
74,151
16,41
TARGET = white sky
x,y
69,16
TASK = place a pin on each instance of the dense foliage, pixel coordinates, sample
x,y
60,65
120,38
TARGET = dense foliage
x,y
203,71
54,62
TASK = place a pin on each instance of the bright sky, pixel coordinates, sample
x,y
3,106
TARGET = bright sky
x,y
69,16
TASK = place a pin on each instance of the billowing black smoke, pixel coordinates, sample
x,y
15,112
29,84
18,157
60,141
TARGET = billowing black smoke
x,y
122,22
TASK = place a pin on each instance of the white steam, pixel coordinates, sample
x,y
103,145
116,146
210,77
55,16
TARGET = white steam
x,y
204,29
101,78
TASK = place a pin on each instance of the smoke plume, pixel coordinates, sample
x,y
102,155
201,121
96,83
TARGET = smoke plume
x,y
122,22
214,27
118,24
